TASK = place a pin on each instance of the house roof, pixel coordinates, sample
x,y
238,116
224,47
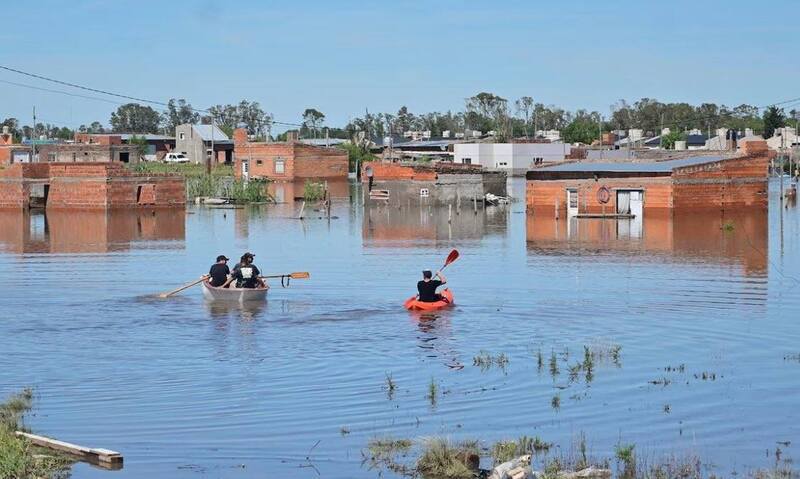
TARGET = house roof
x,y
146,136
211,132
323,141
691,140
587,170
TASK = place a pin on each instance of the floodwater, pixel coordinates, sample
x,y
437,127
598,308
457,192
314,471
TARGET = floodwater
x,y
704,309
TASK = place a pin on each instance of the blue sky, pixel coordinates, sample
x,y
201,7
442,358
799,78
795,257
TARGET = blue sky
x,y
343,57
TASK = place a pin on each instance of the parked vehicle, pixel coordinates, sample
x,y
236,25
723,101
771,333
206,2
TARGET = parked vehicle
x,y
176,158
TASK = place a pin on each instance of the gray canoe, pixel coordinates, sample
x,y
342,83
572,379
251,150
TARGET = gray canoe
x,y
235,295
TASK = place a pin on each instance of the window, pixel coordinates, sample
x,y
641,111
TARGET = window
x,y
466,161
424,192
259,162
182,136
51,157
538,161
280,166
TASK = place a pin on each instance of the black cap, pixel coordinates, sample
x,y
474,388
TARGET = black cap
x,y
427,273
222,257
248,255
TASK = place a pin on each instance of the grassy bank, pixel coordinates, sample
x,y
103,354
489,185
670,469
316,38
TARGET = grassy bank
x,y
18,457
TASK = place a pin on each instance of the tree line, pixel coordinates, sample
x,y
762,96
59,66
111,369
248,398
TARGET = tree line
x,y
483,112
143,119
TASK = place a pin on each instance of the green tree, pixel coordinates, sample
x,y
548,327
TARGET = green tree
x,y
179,112
135,118
525,106
581,130
774,118
668,140
313,120
487,111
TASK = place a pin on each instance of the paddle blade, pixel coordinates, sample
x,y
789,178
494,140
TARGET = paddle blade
x,y
300,275
451,257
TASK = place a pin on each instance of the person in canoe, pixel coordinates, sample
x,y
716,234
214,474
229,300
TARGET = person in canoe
x,y
246,274
218,274
427,287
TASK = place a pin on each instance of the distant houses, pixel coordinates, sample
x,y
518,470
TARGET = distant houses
x,y
199,143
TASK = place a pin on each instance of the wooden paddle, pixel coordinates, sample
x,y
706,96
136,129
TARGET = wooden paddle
x,y
297,275
450,259
185,286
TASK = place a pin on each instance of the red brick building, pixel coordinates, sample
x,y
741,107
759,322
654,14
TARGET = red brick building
x,y
287,161
575,189
87,185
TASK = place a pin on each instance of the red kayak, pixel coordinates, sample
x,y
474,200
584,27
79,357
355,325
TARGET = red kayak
x,y
413,304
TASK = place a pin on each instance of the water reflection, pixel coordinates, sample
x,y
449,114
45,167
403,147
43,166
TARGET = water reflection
x,y
290,191
435,337
736,237
413,225
87,231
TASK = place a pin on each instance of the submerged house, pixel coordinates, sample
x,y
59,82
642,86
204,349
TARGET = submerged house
x,y
635,188
439,184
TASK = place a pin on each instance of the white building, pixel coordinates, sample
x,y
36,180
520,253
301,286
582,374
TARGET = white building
x,y
515,158
784,139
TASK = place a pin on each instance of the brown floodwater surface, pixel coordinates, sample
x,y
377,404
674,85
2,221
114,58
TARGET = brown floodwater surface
x,y
703,307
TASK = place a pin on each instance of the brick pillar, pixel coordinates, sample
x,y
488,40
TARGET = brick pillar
x,y
239,136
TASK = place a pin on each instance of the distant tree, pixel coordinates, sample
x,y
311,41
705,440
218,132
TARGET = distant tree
x,y
668,140
140,142
96,127
179,112
135,118
13,126
525,106
246,114
487,110
404,120
63,133
584,128
774,118
313,120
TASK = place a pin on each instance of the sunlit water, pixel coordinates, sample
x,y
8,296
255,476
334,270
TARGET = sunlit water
x,y
188,389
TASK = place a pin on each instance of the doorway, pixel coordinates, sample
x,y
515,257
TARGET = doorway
x,y
630,202
572,202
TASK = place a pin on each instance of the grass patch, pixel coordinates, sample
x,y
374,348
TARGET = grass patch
x,y
433,391
442,459
485,360
18,457
313,191
390,386
253,191
503,451
189,170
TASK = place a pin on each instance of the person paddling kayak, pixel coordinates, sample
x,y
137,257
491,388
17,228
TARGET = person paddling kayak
x,y
427,287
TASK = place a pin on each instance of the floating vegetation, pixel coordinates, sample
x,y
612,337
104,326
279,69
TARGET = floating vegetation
x,y
432,392
344,431
667,409
390,386
555,403
728,226
539,360
660,381
792,357
553,364
485,360
706,376
678,369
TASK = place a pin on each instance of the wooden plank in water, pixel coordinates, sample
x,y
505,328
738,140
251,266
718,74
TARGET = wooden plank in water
x,y
95,455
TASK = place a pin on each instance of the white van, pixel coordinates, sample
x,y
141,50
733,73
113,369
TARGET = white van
x,y
176,158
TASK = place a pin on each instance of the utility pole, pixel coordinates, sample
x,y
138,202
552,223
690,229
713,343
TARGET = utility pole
x,y
33,137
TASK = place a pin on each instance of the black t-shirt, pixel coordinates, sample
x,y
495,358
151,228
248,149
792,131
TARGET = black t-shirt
x,y
219,274
427,290
246,276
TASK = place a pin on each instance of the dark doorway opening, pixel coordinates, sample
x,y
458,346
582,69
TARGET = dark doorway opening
x,y
124,157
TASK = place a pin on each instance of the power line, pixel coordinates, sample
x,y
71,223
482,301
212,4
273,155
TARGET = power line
x,y
109,93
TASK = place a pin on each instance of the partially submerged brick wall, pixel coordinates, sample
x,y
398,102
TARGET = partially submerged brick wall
x,y
547,197
89,185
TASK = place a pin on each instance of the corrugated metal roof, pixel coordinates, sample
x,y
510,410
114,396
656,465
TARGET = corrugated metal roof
x,y
648,167
323,141
146,136
205,132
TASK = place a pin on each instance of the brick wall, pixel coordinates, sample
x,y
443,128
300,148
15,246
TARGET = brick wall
x,y
299,161
89,138
542,197
89,185
393,171
732,183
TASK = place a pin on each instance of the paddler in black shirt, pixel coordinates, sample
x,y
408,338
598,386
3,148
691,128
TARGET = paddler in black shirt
x,y
427,287
219,272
